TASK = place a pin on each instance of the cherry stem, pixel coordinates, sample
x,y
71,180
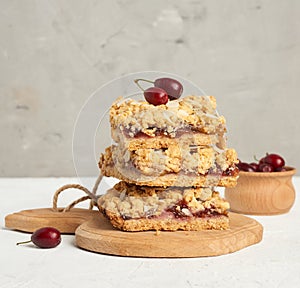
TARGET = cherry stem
x,y
255,158
136,81
25,242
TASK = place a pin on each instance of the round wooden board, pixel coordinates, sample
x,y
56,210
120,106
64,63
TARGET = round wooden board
x,y
33,219
98,235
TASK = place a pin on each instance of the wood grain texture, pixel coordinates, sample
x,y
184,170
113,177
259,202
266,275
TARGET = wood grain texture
x,y
261,193
65,222
98,235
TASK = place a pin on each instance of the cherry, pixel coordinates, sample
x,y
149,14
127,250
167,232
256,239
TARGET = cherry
x,y
264,167
47,237
245,167
171,86
156,96
281,169
255,166
274,160
269,163
260,161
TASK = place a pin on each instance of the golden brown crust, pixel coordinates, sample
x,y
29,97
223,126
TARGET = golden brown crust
x,y
220,222
163,141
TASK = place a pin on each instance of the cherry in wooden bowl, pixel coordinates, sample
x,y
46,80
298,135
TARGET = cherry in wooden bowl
x,y
262,193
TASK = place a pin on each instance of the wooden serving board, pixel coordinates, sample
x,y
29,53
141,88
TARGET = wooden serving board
x,y
65,222
98,235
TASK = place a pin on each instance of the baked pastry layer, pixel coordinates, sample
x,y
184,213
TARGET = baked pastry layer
x,y
143,141
175,158
137,208
191,113
219,222
112,166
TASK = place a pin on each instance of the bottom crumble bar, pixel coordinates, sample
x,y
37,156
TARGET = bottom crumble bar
x,y
139,208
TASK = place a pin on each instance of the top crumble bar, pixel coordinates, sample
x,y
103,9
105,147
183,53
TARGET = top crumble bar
x,y
177,117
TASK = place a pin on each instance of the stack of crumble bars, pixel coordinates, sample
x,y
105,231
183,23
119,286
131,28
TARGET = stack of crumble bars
x,y
169,158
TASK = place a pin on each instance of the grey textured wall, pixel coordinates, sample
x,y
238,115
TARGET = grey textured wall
x,y
54,54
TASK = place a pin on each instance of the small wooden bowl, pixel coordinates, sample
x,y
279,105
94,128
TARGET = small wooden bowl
x,y
262,193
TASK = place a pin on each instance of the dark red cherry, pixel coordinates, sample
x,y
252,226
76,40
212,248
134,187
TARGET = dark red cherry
x,y
261,161
255,166
171,86
245,167
47,237
264,167
274,160
156,96
281,169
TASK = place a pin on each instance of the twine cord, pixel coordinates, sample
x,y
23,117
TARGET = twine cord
x,y
94,190
81,199
90,195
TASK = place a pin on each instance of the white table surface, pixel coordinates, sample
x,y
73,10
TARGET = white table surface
x,y
274,262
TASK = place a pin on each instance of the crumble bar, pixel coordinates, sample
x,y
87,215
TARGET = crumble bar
x,y
115,167
174,159
191,113
137,208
